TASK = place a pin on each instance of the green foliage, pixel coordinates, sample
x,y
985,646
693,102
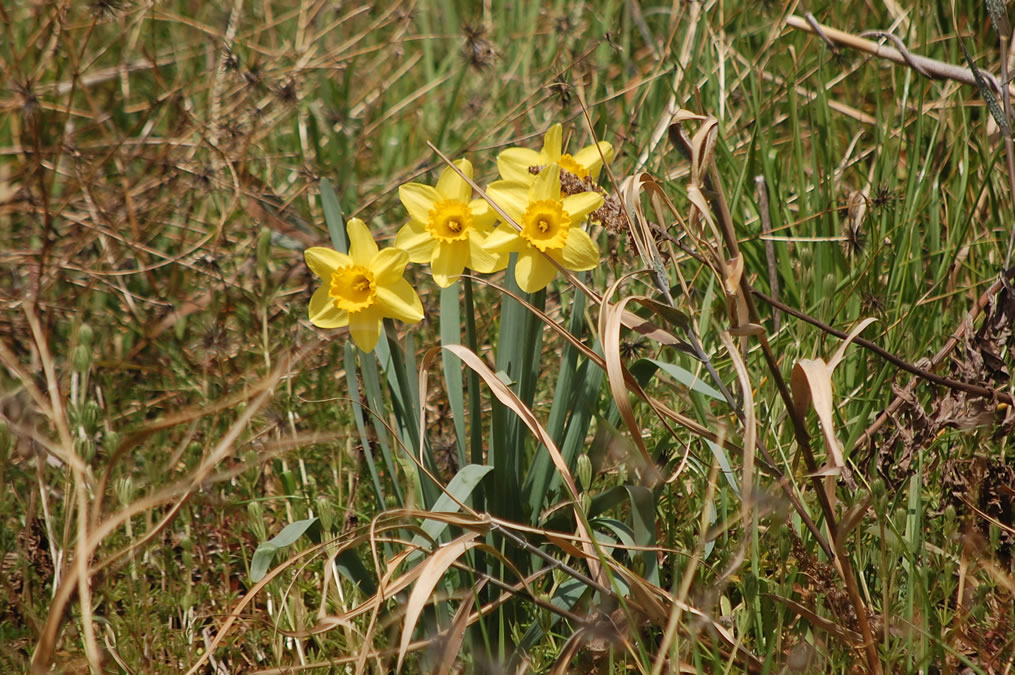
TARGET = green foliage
x,y
162,170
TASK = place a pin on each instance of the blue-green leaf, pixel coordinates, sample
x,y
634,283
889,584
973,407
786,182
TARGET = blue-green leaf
x,y
460,487
688,379
265,553
333,216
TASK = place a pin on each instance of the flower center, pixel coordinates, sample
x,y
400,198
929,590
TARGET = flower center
x,y
545,224
353,288
568,163
450,220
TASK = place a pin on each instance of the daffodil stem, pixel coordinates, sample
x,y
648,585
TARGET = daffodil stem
x,y
475,422
475,402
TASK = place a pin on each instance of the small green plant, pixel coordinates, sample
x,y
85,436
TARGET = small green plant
x,y
555,415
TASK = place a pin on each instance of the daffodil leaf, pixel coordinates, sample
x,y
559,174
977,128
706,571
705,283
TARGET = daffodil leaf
x,y
643,519
460,488
688,379
265,553
451,332
333,216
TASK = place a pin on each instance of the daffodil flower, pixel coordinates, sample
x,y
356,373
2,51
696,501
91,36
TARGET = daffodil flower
x,y
514,164
361,288
551,225
446,229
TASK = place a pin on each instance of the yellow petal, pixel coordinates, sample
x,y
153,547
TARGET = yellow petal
x,y
452,186
449,259
582,204
388,266
483,216
552,143
533,271
580,253
591,159
365,328
511,196
362,247
323,261
480,259
547,185
399,301
323,312
416,241
513,164
504,240
418,199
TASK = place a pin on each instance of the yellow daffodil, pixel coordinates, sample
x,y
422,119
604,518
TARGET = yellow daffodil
x,y
514,163
446,229
550,225
361,288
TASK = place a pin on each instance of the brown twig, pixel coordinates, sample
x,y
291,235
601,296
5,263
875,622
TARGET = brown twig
x,y
930,67
974,389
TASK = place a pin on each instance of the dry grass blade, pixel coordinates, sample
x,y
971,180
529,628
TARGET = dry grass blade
x,y
456,633
430,574
610,316
249,597
812,383
750,427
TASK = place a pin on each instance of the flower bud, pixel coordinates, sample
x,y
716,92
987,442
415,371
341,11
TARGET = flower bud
x,y
256,517
830,284
584,471
326,512
85,448
82,358
288,479
124,489
90,416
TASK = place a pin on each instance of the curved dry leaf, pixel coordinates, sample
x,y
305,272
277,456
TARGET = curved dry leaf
x,y
455,635
682,115
506,396
750,423
641,231
702,211
609,335
840,352
734,272
812,383
702,147
430,574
